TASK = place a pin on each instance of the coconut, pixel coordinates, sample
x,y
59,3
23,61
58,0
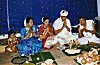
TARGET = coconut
x,y
81,56
90,54
94,59
85,54
89,60
83,61
97,58
94,53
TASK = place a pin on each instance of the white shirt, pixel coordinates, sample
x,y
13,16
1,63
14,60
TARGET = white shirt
x,y
89,24
58,24
87,35
88,27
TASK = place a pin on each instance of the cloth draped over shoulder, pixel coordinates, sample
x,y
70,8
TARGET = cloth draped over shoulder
x,y
88,37
30,45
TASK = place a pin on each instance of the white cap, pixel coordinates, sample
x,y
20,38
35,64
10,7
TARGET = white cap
x,y
63,13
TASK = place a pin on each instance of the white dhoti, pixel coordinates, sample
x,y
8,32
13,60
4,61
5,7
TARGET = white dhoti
x,y
88,37
65,39
62,40
83,40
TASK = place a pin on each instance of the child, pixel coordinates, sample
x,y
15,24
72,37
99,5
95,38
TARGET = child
x,y
12,42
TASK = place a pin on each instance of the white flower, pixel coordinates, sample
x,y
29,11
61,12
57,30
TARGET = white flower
x,y
10,49
94,50
49,61
27,62
43,64
37,58
22,55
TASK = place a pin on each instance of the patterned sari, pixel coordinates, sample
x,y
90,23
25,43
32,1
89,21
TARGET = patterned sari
x,y
30,45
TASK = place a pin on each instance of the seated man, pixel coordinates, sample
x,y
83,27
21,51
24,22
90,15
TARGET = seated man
x,y
87,31
62,28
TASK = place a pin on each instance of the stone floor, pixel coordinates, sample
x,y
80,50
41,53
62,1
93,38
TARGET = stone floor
x,y
60,57
5,58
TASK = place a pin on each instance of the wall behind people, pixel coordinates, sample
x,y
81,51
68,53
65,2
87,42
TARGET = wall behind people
x,y
13,12
98,6
3,17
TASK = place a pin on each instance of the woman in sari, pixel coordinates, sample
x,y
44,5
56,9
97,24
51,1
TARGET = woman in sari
x,y
29,44
46,34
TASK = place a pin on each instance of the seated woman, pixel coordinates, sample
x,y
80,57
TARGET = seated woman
x,y
46,34
29,44
12,42
87,31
